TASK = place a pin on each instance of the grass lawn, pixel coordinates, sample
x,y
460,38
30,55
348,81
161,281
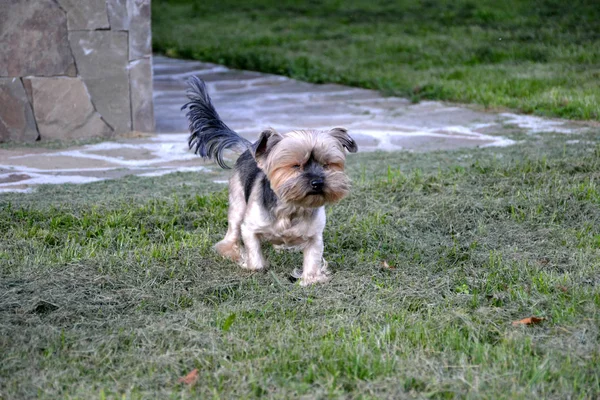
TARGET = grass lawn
x,y
539,57
111,289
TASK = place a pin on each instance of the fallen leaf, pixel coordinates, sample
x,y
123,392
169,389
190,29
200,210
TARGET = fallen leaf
x,y
544,261
563,289
385,264
528,321
190,378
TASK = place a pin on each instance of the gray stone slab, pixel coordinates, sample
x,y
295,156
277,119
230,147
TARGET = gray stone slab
x,y
28,90
436,115
17,122
140,78
12,178
365,141
33,37
140,35
170,72
63,109
125,153
85,14
432,143
55,163
162,88
231,77
118,16
103,64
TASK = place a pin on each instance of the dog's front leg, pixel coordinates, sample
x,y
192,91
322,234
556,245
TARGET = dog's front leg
x,y
314,267
253,257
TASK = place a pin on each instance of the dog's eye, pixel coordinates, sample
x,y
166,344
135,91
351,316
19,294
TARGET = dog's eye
x,y
296,166
325,166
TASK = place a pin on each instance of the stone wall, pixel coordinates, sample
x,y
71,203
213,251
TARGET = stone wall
x,y
72,69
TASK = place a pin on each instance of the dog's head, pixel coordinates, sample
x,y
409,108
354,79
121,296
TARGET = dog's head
x,y
305,168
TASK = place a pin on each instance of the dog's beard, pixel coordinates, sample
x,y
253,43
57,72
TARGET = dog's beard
x,y
298,191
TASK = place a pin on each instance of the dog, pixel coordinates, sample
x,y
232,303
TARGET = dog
x,y
279,186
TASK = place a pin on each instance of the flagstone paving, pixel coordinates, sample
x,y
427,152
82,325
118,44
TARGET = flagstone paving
x,y
250,102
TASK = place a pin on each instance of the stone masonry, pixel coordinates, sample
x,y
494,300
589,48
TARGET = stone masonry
x,y
72,69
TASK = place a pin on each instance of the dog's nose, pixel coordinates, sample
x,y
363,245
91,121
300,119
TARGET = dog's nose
x,y
317,183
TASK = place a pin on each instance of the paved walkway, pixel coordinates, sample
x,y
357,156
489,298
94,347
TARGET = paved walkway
x,y
250,102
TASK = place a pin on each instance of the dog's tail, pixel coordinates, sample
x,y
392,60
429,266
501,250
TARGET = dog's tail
x,y
209,134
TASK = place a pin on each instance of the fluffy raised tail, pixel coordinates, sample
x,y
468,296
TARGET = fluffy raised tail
x,y
209,134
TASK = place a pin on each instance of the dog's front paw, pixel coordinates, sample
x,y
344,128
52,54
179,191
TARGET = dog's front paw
x,y
246,264
230,250
307,280
321,275
251,267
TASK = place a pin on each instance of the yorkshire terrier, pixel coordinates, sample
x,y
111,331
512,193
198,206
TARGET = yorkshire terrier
x,y
279,186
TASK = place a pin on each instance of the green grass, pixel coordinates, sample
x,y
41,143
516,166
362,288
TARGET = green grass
x,y
538,57
111,289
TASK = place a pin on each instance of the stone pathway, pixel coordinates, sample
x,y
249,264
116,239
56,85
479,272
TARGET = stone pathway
x,y
249,102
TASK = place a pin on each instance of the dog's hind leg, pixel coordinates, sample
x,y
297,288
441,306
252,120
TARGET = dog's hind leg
x,y
254,257
229,247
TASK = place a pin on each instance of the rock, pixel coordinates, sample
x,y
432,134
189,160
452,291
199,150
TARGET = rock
x,y
102,62
140,76
28,90
117,15
63,109
85,14
140,35
17,122
33,36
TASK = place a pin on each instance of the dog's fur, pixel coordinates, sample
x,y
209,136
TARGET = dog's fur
x,y
279,186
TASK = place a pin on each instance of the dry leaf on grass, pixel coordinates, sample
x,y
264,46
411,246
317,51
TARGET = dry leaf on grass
x,y
528,321
190,378
385,264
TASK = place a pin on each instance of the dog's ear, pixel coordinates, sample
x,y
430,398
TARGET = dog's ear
x,y
266,141
341,134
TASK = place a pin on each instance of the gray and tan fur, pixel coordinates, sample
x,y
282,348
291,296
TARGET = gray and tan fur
x,y
279,186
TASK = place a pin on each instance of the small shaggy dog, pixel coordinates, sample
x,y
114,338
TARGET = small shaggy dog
x,y
279,186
